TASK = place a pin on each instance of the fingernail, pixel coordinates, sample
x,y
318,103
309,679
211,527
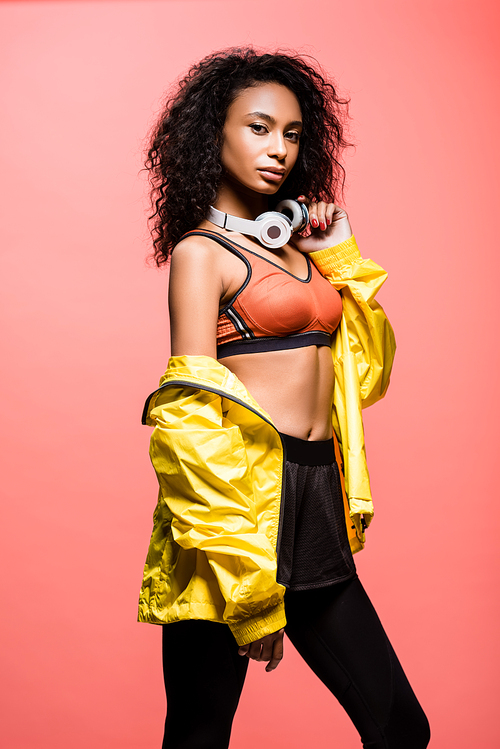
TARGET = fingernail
x,y
314,222
328,221
322,225
301,197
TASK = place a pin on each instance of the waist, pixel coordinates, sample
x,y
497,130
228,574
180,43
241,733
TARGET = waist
x,y
308,452
294,387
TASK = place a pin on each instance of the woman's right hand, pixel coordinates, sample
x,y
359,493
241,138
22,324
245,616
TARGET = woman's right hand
x,y
329,226
268,648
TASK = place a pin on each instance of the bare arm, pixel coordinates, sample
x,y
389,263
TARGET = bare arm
x,y
197,283
195,288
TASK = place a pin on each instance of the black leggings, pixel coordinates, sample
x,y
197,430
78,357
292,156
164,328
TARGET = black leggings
x,y
337,632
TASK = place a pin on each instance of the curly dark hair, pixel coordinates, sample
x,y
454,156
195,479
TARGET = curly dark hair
x,y
183,158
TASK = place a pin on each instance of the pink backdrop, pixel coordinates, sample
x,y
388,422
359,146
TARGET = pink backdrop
x,y
87,338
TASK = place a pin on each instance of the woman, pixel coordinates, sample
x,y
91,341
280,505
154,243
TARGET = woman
x,y
252,533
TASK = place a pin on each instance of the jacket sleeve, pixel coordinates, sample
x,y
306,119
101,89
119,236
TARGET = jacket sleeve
x,y
201,462
363,352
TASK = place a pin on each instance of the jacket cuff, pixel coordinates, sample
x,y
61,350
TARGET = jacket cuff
x,y
254,627
334,258
360,506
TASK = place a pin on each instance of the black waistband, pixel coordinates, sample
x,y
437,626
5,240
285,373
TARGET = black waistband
x,y
308,452
274,343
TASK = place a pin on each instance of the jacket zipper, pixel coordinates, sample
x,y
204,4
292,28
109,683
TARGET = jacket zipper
x,y
187,383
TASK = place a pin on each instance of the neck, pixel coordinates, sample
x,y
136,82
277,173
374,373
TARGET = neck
x,y
239,201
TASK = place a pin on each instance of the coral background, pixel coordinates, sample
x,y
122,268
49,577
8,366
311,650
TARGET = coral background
x,y
86,339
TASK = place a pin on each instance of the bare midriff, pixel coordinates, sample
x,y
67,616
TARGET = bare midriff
x,y
294,386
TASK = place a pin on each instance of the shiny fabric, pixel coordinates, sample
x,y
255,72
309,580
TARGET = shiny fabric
x,y
219,461
363,352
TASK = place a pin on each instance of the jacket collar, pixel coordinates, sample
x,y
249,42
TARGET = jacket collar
x,y
205,373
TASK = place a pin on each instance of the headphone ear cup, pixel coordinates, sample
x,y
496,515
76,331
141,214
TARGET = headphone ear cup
x,y
296,212
273,229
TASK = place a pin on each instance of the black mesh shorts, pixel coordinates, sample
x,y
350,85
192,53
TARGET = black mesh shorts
x,y
314,549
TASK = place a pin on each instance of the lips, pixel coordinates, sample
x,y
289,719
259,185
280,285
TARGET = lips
x,y
272,173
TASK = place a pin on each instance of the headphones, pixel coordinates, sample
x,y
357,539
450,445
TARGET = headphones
x,y
273,229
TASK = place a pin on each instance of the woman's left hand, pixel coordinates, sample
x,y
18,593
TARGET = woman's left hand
x,y
268,648
329,226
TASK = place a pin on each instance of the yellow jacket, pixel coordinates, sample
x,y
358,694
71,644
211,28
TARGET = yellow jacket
x,y
219,461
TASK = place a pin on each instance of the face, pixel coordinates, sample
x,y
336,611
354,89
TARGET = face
x,y
261,137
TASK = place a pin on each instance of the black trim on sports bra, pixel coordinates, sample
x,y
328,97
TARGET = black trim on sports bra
x,y
231,246
239,323
274,343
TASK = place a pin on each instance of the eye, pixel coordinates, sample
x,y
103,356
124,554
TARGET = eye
x,y
258,129
293,136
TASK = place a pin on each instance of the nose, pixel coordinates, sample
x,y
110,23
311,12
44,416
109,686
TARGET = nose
x,y
277,146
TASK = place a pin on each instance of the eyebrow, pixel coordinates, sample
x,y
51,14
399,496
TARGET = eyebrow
x,y
268,118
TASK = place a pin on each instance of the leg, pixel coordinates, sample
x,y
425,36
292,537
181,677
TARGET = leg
x,y
204,676
338,633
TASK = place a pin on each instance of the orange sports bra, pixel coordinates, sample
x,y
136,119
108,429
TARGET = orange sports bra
x,y
273,309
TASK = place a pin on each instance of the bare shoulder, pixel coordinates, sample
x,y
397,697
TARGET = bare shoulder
x,y
195,249
199,260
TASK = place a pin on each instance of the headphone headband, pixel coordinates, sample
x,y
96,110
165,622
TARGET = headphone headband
x,y
273,229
